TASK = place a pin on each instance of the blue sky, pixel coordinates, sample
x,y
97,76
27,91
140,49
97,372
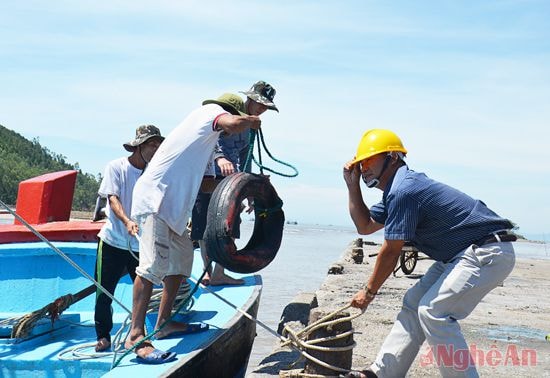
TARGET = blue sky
x,y
466,84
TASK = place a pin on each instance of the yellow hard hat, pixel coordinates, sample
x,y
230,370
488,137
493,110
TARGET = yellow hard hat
x,y
376,141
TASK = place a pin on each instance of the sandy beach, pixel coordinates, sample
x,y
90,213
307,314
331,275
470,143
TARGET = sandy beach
x,y
506,330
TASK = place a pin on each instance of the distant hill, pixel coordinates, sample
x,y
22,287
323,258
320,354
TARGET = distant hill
x,y
21,159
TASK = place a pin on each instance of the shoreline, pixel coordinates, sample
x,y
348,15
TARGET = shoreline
x,y
512,320
88,215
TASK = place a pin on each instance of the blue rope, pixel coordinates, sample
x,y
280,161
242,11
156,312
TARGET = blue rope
x,y
258,134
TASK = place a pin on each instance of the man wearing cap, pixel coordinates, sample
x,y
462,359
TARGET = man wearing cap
x,y
233,149
116,236
230,156
471,246
162,201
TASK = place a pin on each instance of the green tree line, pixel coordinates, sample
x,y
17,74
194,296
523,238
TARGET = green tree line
x,y
21,159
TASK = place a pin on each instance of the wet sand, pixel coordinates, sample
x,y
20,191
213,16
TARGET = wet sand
x,y
506,330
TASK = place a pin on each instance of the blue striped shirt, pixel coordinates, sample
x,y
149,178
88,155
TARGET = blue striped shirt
x,y
437,219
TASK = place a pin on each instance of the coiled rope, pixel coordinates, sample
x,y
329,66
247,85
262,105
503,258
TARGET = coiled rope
x,y
259,136
296,340
80,352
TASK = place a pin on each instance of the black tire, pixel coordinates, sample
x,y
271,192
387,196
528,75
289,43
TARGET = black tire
x,y
408,260
224,213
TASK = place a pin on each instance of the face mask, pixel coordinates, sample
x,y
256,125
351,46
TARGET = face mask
x,y
370,183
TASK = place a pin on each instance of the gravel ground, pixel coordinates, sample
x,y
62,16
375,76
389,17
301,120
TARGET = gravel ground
x,y
511,321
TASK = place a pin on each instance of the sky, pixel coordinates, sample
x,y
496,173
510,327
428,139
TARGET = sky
x,y
465,84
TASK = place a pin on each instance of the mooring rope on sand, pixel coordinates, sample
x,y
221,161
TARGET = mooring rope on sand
x,y
298,340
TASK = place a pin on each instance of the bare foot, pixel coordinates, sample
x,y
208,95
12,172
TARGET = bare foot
x,y
206,279
102,345
142,349
179,329
223,279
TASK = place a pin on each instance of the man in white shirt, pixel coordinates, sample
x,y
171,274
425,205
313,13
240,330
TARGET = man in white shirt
x,y
116,236
162,202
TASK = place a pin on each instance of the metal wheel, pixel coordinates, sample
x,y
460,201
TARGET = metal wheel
x,y
407,260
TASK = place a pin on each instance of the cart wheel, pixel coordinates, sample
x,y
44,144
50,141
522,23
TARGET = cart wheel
x,y
408,260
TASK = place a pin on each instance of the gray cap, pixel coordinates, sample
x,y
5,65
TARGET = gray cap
x,y
143,134
263,93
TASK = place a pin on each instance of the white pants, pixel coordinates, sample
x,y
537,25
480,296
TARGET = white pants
x,y
162,252
446,293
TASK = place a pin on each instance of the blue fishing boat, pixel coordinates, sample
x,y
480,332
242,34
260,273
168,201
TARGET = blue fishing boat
x,y
47,302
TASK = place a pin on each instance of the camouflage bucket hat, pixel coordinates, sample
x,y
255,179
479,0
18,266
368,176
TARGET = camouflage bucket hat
x,y
263,93
143,134
230,102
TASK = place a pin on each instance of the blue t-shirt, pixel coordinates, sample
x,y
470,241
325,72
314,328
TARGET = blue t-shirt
x,y
437,219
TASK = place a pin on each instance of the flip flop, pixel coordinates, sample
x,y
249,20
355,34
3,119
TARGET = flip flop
x,y
156,357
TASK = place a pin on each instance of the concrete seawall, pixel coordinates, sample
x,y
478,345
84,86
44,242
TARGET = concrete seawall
x,y
506,330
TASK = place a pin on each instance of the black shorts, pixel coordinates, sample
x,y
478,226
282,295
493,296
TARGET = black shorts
x,y
199,217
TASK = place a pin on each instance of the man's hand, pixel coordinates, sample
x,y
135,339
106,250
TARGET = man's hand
x,y
352,174
226,167
256,123
132,227
361,300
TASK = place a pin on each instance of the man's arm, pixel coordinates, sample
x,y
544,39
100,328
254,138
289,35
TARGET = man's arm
x,y
117,208
385,264
360,213
232,124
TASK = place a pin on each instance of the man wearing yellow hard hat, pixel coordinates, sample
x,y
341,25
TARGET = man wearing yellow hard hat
x,y
471,246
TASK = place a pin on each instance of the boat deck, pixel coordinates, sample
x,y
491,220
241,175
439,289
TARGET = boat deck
x,y
39,355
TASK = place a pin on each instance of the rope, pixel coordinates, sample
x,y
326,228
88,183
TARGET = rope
x,y
26,323
174,313
183,293
259,136
295,340
79,352
265,212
